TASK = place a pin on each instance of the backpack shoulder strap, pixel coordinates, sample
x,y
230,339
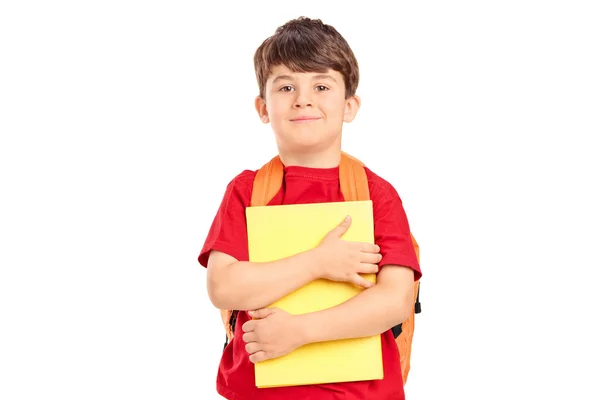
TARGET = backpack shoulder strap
x,y
353,179
267,182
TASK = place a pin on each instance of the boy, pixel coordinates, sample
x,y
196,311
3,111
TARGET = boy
x,y
307,77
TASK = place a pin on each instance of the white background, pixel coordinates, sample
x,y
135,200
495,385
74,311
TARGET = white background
x,y
122,122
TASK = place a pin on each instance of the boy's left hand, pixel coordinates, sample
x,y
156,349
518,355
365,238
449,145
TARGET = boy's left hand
x,y
274,333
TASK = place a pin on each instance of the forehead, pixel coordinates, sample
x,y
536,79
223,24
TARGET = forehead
x,y
281,72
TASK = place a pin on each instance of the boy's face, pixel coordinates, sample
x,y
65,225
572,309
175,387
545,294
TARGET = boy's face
x,y
306,110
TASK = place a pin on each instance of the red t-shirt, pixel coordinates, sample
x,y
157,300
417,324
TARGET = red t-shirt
x,y
235,379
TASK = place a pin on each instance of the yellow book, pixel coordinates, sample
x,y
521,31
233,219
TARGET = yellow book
x,y
276,232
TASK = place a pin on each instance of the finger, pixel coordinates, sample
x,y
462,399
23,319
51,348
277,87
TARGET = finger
x,y
339,230
249,326
258,357
366,268
369,248
250,337
371,258
253,347
262,313
362,282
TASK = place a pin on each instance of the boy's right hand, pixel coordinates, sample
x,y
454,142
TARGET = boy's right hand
x,y
344,261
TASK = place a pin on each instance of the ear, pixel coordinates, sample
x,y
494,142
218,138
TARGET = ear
x,y
261,109
351,107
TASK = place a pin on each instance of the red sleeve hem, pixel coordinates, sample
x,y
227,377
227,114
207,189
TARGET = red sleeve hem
x,y
402,260
223,247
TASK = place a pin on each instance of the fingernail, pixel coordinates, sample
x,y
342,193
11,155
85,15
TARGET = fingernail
x,y
347,218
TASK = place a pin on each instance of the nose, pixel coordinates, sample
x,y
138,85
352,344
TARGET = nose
x,y
303,99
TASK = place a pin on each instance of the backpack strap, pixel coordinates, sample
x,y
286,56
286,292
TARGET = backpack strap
x,y
267,182
353,179
229,318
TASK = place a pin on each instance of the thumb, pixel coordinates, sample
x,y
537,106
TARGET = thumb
x,y
339,230
362,282
261,313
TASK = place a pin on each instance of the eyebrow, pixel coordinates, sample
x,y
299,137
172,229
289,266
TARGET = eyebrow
x,y
315,78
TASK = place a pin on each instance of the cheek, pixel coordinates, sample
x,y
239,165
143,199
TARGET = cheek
x,y
335,107
275,109
335,113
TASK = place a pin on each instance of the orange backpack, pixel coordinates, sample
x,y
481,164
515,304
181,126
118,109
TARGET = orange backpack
x,y
354,186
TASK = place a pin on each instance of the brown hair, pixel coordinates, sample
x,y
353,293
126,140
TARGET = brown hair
x,y
306,45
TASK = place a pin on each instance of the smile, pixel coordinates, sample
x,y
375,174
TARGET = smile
x,y
305,120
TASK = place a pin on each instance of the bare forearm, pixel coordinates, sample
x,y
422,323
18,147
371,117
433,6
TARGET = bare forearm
x,y
249,286
369,313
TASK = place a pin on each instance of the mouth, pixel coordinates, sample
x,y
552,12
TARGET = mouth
x,y
304,120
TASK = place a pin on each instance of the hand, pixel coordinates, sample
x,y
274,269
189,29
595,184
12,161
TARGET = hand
x,y
344,260
273,334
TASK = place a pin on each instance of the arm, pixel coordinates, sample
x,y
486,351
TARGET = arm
x,y
371,312
275,333
390,301
242,285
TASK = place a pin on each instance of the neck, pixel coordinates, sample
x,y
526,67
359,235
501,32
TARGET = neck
x,y
325,159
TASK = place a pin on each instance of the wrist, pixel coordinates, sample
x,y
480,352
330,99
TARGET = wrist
x,y
304,335
314,264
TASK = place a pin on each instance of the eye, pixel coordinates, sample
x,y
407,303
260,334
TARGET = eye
x,y
286,88
322,88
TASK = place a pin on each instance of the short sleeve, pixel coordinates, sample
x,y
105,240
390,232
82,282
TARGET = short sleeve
x,y
227,232
392,230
